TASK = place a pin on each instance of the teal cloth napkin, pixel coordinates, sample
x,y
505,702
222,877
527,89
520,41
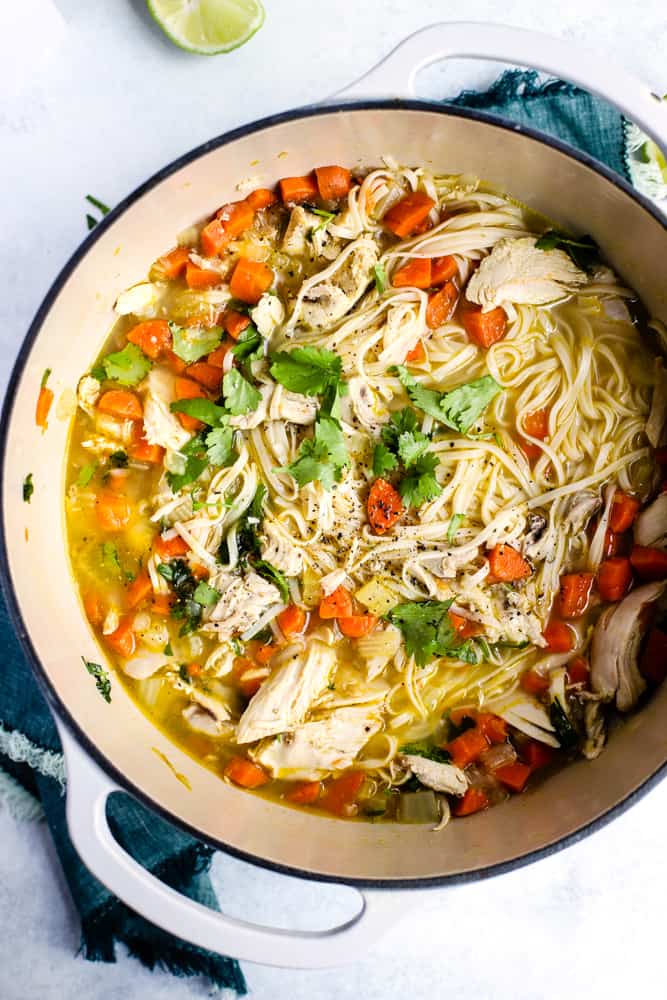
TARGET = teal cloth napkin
x,y
31,775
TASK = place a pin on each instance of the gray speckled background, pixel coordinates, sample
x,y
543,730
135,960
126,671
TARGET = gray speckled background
x,y
113,104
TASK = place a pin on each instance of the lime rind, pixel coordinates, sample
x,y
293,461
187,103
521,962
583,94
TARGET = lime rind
x,y
208,27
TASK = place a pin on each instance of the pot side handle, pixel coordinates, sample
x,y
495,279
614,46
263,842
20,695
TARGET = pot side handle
x,y
88,789
598,73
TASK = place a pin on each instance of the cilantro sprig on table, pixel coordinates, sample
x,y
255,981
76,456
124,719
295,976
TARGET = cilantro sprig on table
x,y
404,447
428,632
459,408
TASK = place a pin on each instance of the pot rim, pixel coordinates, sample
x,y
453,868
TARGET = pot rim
x,y
56,703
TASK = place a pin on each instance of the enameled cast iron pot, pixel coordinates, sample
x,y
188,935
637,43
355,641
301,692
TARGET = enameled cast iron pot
x,y
110,746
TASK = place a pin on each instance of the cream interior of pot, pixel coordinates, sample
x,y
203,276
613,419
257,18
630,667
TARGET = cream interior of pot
x,y
573,195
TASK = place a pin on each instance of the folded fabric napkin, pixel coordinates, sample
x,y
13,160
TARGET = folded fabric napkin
x,y
32,778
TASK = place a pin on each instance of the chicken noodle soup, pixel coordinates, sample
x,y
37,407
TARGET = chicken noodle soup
x,y
363,494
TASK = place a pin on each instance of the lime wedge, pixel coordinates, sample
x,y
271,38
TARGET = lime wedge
x,y
208,26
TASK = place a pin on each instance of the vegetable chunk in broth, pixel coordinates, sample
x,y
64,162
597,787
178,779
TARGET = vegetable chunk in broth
x,y
364,495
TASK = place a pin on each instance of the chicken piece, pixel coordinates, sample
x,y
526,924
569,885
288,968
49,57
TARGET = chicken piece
x,y
367,409
278,548
201,721
327,301
87,394
440,777
656,425
580,510
243,601
651,525
348,510
527,715
140,300
268,314
248,421
516,271
292,407
301,222
214,703
323,745
161,426
536,541
615,647
284,699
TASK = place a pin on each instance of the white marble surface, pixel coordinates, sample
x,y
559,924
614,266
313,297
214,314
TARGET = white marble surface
x,y
114,103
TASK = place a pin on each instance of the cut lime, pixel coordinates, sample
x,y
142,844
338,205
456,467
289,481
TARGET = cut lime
x,y
208,26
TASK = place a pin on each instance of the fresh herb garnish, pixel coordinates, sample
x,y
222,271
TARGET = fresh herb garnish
x,y
428,751
183,673
404,446
181,579
454,525
102,680
583,252
86,473
384,461
201,409
273,575
118,460
247,540
28,488
311,371
220,445
196,460
45,378
380,276
240,396
96,203
322,458
419,484
168,651
428,632
249,347
325,216
191,343
127,367
565,731
205,594
459,408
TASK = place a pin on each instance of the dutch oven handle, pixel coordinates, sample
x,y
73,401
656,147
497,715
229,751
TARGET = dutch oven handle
x,y
597,72
88,789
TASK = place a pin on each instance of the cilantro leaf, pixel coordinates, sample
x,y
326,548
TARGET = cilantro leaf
x,y
196,460
86,473
459,408
380,276
427,400
45,378
247,540
118,459
127,367
187,609
428,632
96,203
240,396
420,484
273,575
307,370
583,252
191,343
257,505
454,525
403,422
28,488
102,680
205,594
412,446
220,445
323,458
428,751
249,347
201,409
383,460
110,558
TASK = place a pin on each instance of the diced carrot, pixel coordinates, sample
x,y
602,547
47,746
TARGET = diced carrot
x,y
415,274
530,449
441,305
492,726
121,403
653,662
333,183
537,754
172,265
243,772
305,793
536,423
243,670
624,510
261,198
141,451
484,328
443,269
201,277
467,747
194,669
217,357
235,322
44,401
417,355
298,189
616,545
534,682
406,215
251,278
614,578
559,637
357,626
385,506
113,511
170,548
341,794
123,640
473,801
139,590
236,216
574,594
507,564
207,374
199,571
578,672
185,388
464,627
457,715
153,337
213,238
337,604
292,620
649,563
174,363
513,776
264,653
162,604
93,605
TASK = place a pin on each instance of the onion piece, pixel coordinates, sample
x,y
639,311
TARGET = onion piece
x,y
498,756
418,807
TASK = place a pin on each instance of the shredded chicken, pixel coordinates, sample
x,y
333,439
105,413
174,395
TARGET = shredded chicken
x,y
517,272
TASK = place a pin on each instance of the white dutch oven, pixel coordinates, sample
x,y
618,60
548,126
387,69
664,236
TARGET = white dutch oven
x,y
110,747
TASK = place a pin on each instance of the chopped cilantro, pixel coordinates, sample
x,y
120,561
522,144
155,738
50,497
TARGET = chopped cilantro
x,y
383,460
205,594
196,460
583,252
247,541
454,525
110,558
380,278
323,458
240,396
428,751
45,378
183,674
274,576
91,221
201,409
325,216
28,488
187,609
311,371
565,731
428,632
220,446
419,483
249,347
102,681
128,367
118,460
403,444
459,408
191,343
168,651
96,203
86,473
